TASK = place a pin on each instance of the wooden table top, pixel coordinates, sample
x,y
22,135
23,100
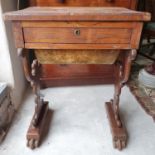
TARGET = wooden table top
x,y
77,14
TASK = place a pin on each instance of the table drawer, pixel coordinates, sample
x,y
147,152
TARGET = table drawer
x,y
79,35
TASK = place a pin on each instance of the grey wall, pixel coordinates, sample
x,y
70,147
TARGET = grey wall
x,y
11,70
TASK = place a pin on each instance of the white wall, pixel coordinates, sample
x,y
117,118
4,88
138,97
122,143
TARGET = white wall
x,y
11,70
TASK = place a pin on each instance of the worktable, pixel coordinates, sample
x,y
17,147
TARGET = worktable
x,y
81,74
77,35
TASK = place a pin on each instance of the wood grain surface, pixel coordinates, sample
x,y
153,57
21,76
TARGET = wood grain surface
x,y
78,14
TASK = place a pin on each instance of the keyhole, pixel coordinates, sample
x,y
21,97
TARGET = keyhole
x,y
77,32
61,1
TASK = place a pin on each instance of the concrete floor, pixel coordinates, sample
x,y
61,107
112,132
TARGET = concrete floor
x,y
80,126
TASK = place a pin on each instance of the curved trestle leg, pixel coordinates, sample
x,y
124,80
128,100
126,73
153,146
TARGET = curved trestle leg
x,y
122,70
35,130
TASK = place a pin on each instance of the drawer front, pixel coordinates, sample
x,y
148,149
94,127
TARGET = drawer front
x,y
122,3
77,35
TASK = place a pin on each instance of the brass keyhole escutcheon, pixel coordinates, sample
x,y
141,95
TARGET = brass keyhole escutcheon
x,y
77,32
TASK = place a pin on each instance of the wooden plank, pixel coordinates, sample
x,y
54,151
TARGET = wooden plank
x,y
77,14
64,75
78,24
76,46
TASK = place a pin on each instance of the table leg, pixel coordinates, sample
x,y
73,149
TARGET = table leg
x,y
118,130
35,131
36,128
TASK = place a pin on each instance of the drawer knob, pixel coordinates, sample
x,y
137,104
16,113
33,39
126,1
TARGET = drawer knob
x,y
77,32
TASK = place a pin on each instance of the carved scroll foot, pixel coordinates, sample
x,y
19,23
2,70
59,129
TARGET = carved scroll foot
x,y
119,134
34,133
119,144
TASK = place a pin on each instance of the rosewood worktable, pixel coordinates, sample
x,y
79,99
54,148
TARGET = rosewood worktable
x,y
77,35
